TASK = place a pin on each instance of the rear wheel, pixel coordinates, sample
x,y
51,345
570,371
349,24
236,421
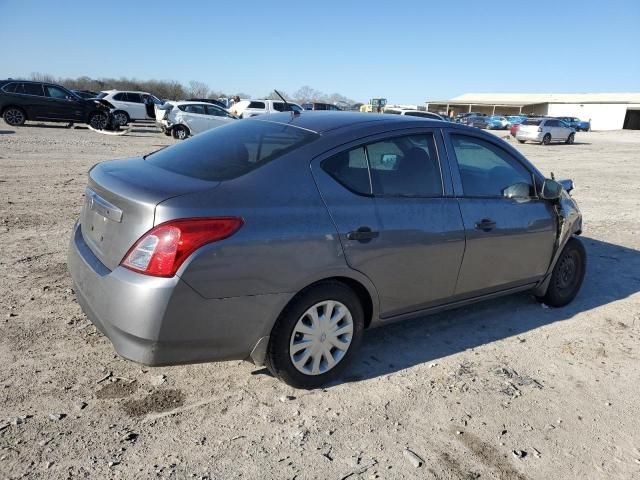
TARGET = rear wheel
x,y
14,116
546,140
180,132
316,335
571,138
99,120
121,117
567,275
522,141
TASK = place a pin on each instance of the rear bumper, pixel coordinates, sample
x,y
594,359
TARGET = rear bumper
x,y
163,321
533,136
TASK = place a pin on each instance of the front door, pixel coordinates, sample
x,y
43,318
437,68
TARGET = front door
x,y
62,104
510,232
397,219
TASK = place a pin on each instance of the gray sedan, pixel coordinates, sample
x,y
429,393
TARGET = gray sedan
x,y
280,239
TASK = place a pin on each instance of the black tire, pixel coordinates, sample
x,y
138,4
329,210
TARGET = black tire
x,y
570,139
278,359
546,140
522,141
98,120
14,116
180,132
121,117
166,132
567,275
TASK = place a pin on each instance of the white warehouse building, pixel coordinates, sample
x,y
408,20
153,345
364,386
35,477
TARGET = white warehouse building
x,y
606,111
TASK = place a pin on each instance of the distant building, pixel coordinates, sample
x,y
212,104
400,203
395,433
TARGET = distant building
x,y
607,111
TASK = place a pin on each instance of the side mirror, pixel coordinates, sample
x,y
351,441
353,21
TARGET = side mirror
x,y
551,190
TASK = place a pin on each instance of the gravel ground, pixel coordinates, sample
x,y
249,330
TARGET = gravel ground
x,y
503,390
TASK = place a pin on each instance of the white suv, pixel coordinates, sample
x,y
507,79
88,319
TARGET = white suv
x,y
183,119
131,106
251,108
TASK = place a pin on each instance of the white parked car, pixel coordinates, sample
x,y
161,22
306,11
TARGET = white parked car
x,y
413,113
131,106
183,119
545,130
251,108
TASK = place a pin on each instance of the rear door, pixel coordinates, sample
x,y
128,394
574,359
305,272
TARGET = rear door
x,y
510,232
32,100
135,106
392,202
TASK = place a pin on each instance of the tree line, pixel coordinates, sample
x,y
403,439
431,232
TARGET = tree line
x,y
174,90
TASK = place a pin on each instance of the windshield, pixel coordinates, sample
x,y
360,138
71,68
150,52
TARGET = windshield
x,y
230,151
532,121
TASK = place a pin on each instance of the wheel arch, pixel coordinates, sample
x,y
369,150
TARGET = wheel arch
x,y
11,105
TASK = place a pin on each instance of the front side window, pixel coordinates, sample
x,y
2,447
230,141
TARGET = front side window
x,y
487,170
259,105
216,111
399,167
55,92
232,150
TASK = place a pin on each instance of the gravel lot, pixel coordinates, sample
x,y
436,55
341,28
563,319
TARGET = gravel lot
x,y
502,390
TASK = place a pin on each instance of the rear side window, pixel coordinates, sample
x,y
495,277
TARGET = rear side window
x,y
230,151
134,97
399,167
31,89
121,97
256,105
489,171
216,111
10,87
531,121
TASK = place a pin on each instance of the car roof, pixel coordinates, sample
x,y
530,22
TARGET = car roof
x,y
124,91
320,121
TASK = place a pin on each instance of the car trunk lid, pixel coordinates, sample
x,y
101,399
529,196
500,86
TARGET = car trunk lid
x,y
120,202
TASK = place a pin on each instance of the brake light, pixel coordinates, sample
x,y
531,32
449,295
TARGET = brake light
x,y
162,250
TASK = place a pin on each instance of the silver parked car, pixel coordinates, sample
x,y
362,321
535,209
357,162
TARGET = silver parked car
x,y
545,131
280,239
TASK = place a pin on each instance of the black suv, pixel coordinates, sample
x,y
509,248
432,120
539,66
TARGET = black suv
x,y
22,100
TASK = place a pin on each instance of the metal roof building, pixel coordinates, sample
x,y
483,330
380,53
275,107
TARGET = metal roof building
x,y
606,111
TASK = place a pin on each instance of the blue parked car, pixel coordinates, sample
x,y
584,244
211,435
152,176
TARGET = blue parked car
x,y
515,119
497,122
576,123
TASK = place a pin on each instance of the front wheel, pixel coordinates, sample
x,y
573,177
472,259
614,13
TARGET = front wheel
x,y
121,118
521,141
316,335
567,275
180,132
99,120
570,139
546,140
14,116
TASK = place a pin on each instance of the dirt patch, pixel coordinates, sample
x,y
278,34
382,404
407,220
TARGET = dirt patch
x,y
117,390
158,401
490,457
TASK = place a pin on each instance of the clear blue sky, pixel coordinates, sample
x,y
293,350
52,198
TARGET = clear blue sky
x,y
407,51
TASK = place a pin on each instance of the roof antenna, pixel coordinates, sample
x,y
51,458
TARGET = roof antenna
x,y
293,112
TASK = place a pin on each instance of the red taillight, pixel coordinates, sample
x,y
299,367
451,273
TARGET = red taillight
x,y
162,250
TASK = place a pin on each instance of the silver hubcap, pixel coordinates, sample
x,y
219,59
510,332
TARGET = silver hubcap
x,y
182,134
321,338
14,117
121,118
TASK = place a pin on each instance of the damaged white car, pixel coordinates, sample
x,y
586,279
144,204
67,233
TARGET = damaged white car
x,y
184,119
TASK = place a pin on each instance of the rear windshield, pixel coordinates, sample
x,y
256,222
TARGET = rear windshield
x,y
232,150
532,121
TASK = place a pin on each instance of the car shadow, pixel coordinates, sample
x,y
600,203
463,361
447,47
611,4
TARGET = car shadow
x,y
402,345
61,125
7,132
